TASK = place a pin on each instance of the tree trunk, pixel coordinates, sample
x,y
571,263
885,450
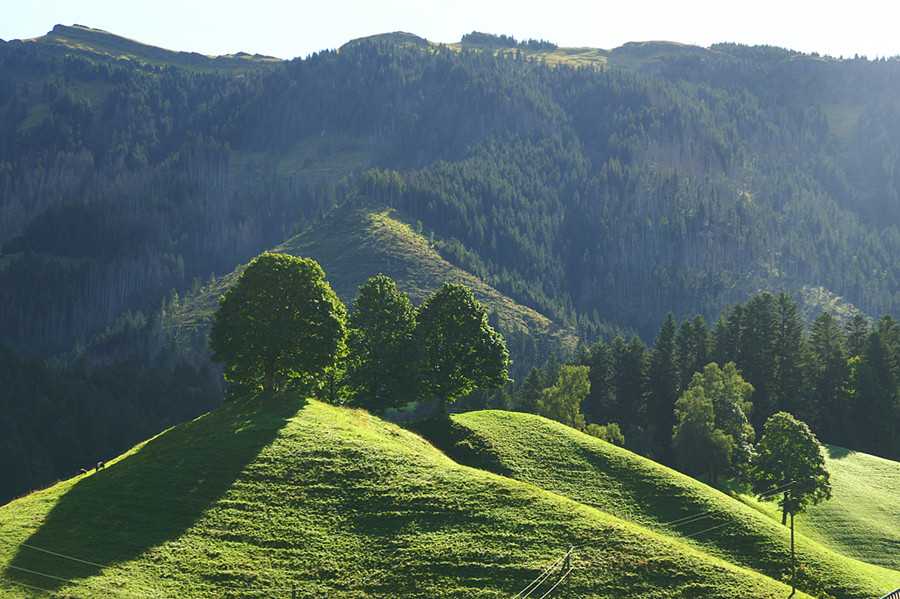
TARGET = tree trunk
x,y
784,511
442,404
269,381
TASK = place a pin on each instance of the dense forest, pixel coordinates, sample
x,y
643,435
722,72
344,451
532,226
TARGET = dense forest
x,y
842,380
685,182
604,193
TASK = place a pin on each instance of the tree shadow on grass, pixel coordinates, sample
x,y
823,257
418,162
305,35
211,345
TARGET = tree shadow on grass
x,y
150,496
836,453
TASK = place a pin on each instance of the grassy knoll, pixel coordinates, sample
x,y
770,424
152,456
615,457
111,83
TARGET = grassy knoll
x,y
560,459
256,500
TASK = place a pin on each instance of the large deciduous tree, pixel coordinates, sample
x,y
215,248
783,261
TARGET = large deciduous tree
x,y
460,350
562,401
279,321
382,361
698,445
713,432
789,457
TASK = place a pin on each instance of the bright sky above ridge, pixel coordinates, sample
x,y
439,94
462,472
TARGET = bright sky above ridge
x,y
290,28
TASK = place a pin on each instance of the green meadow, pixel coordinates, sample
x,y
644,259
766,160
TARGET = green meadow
x,y
292,497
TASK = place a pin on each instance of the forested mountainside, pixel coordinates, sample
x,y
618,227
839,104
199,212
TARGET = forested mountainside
x,y
647,179
602,189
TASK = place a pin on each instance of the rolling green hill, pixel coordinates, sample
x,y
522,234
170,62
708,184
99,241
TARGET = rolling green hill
x,y
559,459
255,500
357,242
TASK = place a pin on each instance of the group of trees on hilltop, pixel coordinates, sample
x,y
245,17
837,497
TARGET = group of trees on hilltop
x,y
840,378
281,323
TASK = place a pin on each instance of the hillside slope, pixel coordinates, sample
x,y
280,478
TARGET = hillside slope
x,y
860,520
559,459
357,242
249,501
105,43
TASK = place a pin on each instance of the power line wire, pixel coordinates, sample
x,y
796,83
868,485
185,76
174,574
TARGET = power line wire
x,y
74,559
111,567
558,582
541,577
42,574
30,586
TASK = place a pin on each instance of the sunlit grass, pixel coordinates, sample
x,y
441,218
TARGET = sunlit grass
x,y
560,459
261,498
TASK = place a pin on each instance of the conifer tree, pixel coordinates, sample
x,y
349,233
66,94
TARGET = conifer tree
x,y
526,397
663,386
857,331
829,379
791,360
629,381
692,345
599,405
757,354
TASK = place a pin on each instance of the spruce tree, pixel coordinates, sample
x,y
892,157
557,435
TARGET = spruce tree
x,y
663,386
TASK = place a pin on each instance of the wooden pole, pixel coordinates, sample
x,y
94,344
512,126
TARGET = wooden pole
x,y
793,555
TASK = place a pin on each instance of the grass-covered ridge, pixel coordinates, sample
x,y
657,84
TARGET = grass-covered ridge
x,y
562,460
253,501
102,42
355,243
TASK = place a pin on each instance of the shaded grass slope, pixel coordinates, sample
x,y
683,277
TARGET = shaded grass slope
x,y
595,473
295,497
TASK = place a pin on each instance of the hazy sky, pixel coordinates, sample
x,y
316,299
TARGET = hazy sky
x,y
290,28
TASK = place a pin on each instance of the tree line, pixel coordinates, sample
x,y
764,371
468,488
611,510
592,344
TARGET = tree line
x,y
841,378
281,325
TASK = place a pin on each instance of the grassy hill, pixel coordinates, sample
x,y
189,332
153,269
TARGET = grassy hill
x,y
559,459
358,242
253,501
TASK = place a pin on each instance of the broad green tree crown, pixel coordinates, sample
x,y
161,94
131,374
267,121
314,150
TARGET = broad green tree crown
x,y
712,432
382,361
700,447
788,456
460,350
280,321
562,401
